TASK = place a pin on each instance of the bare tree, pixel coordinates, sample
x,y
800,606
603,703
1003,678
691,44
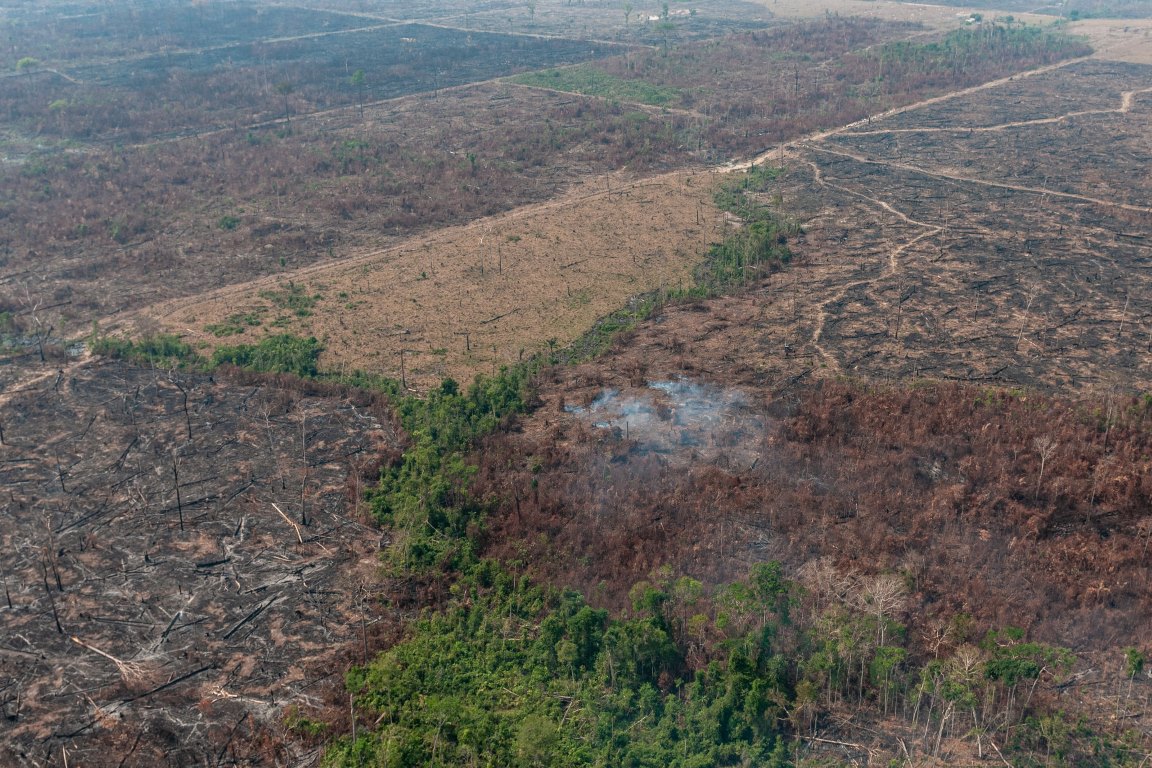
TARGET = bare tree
x,y
1045,446
1102,467
882,595
41,329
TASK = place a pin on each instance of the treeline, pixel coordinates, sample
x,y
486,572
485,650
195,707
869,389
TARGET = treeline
x,y
281,353
513,673
759,243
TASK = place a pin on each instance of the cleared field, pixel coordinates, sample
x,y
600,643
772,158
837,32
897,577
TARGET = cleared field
x,y
470,299
1128,40
639,21
1073,9
182,558
1026,262
98,234
63,33
178,217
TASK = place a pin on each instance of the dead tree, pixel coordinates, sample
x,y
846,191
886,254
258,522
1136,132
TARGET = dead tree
x,y
1045,446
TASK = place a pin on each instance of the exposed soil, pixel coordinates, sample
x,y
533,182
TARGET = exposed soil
x,y
182,561
928,256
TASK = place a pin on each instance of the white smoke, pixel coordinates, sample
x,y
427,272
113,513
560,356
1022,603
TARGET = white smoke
x,y
683,421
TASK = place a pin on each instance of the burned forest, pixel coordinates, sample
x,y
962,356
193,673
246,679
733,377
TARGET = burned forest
x,y
185,557
551,383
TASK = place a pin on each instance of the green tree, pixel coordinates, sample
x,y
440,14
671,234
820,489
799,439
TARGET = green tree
x,y
26,66
357,82
536,740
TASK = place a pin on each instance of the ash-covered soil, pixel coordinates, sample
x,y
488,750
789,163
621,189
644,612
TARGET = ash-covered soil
x,y
182,557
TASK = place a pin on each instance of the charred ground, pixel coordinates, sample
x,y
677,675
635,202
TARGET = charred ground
x,y
184,558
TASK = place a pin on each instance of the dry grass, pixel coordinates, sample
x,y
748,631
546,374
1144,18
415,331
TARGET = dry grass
x,y
469,299
1118,39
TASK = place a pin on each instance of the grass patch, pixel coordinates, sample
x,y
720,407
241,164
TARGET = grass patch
x,y
292,297
235,324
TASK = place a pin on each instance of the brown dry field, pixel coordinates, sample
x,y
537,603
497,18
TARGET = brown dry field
x,y
1119,40
469,299
935,16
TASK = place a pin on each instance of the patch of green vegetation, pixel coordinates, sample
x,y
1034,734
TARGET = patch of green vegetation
x,y
162,350
760,244
303,726
275,354
292,297
589,81
512,674
424,498
9,330
354,152
600,337
235,324
368,381
38,166
580,298
986,39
